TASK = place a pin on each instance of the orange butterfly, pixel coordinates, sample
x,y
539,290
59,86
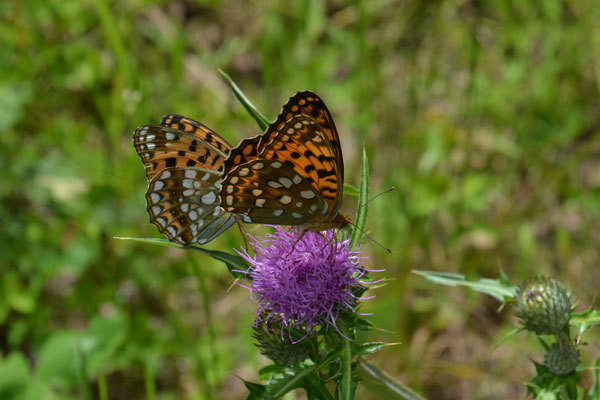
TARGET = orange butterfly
x,y
291,175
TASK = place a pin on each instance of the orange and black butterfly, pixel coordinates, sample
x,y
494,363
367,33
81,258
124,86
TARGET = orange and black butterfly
x,y
290,175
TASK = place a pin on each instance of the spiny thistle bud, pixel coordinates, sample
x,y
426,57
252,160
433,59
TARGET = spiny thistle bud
x,y
562,357
544,306
279,348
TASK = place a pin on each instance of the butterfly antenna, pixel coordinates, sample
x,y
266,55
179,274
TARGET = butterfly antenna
x,y
370,238
373,198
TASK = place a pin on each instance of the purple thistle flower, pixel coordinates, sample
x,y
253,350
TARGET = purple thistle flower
x,y
303,281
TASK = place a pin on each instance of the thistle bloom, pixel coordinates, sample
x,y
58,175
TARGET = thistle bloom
x,y
305,280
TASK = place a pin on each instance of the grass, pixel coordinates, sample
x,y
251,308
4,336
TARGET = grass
x,y
483,115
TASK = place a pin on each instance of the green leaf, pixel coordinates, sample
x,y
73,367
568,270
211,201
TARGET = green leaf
x,y
510,334
254,113
501,291
363,198
265,372
367,348
14,376
232,261
382,385
59,362
102,341
256,390
585,319
289,379
351,190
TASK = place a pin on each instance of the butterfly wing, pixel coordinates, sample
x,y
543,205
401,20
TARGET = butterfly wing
x,y
293,181
195,128
270,192
162,147
307,103
183,203
246,151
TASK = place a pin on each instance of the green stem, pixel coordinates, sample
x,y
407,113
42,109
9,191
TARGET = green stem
x,y
212,337
346,392
149,382
102,387
383,385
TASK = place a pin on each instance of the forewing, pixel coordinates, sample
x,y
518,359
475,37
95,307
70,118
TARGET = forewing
x,y
270,192
162,147
307,103
183,203
302,143
195,128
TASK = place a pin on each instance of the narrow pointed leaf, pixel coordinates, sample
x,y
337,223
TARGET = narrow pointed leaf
x,y
493,287
363,198
254,113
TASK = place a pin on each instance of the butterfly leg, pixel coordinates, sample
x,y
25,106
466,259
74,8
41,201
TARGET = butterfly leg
x,y
243,230
330,246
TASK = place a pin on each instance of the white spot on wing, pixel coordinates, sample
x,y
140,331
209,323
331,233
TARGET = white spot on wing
x,y
246,218
277,212
296,179
256,192
259,202
234,180
159,185
243,172
155,197
170,136
285,182
165,175
285,199
206,176
150,146
187,183
156,210
274,164
188,192
258,165
274,184
296,215
229,200
185,207
209,198
307,194
190,173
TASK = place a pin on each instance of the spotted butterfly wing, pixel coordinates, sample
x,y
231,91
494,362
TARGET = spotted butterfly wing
x,y
184,170
302,103
294,180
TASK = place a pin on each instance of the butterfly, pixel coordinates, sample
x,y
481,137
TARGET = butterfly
x,y
292,174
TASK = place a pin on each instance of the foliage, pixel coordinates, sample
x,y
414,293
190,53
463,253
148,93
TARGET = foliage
x,y
482,114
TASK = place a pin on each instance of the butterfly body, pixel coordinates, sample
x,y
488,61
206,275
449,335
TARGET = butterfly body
x,y
290,175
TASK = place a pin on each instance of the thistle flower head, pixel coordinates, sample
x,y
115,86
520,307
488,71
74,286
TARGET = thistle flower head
x,y
544,306
303,280
562,357
281,350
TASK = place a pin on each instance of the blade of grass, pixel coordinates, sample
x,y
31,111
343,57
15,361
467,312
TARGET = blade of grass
x,y
254,113
363,198
232,261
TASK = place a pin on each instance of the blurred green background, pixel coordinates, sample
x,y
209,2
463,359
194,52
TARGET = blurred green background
x,y
484,115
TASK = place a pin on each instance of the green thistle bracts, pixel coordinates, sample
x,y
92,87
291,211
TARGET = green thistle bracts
x,y
282,351
544,306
